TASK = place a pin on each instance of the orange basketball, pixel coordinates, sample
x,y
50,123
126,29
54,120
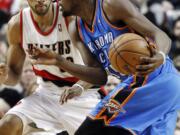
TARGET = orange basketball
x,y
125,52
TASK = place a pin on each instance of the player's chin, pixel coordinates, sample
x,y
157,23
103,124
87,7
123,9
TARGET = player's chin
x,y
66,14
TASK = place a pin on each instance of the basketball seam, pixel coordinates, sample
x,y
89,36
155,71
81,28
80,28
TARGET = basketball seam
x,y
116,48
115,61
117,64
134,52
120,56
129,41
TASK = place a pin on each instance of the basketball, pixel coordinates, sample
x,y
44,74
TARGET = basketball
x,y
125,52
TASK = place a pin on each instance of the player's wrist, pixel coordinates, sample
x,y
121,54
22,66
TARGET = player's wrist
x,y
58,59
164,56
3,79
79,86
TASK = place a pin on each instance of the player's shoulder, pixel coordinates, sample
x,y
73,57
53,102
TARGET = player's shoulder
x,y
72,26
113,7
14,23
13,31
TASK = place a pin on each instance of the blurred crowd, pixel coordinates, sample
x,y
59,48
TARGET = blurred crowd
x,y
9,96
163,13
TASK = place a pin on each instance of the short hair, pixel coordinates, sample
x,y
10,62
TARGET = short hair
x,y
151,2
175,21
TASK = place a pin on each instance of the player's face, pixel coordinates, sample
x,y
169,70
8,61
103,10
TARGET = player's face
x,y
40,7
67,7
177,29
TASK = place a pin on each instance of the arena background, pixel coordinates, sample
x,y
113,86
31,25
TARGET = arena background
x,y
163,13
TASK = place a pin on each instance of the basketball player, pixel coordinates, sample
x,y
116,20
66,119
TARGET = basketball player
x,y
143,104
43,26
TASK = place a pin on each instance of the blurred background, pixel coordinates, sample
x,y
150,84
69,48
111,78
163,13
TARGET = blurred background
x,y
165,14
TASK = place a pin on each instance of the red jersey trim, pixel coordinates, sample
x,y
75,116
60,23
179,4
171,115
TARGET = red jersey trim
x,y
66,22
50,76
21,28
103,90
53,26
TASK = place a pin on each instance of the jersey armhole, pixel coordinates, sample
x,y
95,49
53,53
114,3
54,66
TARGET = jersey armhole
x,y
109,22
21,28
79,30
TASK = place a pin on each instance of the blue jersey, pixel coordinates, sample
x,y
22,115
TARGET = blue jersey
x,y
145,106
99,39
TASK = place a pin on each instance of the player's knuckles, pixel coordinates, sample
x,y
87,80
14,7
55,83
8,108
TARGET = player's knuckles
x,y
142,67
153,60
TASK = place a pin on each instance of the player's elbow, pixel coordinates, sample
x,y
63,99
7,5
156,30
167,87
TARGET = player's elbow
x,y
169,41
166,40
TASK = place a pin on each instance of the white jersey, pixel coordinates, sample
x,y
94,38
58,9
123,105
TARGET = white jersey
x,y
41,113
56,39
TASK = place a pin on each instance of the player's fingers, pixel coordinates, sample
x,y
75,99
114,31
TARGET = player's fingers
x,y
41,51
152,48
36,51
144,60
34,48
62,97
32,56
60,100
66,98
70,96
144,73
28,51
64,94
145,67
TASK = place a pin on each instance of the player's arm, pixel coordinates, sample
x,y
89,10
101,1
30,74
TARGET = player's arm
x,y
92,72
84,85
76,90
15,54
133,18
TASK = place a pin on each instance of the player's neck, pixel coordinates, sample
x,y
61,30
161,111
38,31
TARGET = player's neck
x,y
46,20
87,11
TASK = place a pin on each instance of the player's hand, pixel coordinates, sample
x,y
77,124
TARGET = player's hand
x,y
70,93
3,72
42,56
149,64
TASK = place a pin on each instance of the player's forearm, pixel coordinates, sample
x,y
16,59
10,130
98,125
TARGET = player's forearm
x,y
11,79
93,75
163,42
